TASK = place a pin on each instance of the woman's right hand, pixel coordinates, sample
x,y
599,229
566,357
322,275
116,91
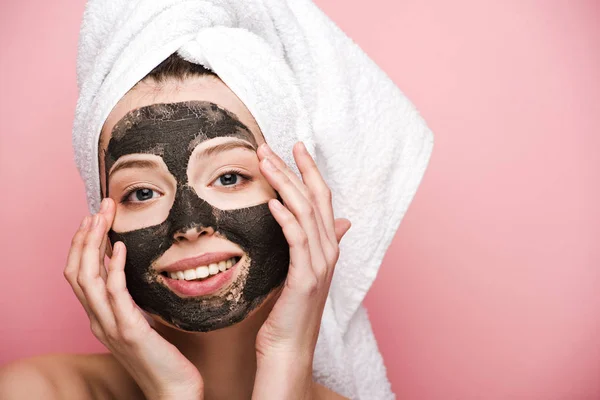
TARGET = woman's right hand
x,y
157,366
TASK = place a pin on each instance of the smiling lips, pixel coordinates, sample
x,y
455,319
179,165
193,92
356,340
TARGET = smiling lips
x,y
198,276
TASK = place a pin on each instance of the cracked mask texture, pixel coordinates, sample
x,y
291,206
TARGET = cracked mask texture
x,y
172,131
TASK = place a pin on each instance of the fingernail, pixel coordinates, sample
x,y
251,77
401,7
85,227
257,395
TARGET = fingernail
x,y
85,221
103,205
117,248
96,221
303,147
269,165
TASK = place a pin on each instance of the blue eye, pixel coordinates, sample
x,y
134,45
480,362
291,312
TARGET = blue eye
x,y
137,195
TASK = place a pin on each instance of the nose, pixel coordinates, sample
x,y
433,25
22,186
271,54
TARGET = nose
x,y
193,233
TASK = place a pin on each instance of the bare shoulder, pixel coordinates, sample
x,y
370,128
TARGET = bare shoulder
x,y
67,376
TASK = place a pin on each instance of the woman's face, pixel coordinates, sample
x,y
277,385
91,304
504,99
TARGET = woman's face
x,y
203,249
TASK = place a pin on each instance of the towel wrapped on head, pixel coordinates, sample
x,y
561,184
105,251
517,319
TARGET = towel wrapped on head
x,y
302,79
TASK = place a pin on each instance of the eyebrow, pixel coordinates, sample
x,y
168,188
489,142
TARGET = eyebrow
x,y
133,164
207,152
221,147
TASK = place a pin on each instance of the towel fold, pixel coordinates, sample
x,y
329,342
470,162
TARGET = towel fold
x,y
303,79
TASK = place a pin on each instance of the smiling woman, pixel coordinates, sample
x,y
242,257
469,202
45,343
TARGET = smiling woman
x,y
204,250
187,200
222,246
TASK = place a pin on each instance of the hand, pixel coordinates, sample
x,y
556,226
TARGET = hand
x,y
286,342
157,366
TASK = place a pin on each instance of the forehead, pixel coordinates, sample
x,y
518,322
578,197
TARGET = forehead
x,y
174,127
201,88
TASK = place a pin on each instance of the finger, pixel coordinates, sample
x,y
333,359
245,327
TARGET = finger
x,y
300,207
300,280
311,177
72,268
342,225
314,181
326,233
107,211
263,151
123,306
89,279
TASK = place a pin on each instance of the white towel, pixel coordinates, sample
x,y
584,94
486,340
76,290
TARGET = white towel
x,y
303,79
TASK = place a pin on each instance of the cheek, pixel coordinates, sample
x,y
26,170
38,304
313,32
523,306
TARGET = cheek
x,y
129,218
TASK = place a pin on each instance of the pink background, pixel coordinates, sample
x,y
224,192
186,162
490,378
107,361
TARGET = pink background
x,y
491,289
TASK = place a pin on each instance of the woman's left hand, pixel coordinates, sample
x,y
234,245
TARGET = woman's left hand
x,y
286,342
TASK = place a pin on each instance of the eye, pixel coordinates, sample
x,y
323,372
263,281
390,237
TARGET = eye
x,y
138,195
232,178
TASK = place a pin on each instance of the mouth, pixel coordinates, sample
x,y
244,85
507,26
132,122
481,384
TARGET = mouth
x,y
202,280
202,272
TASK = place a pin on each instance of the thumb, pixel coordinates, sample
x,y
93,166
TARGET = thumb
x,y
341,227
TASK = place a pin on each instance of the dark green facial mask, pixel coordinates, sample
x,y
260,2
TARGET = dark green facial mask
x,y
172,131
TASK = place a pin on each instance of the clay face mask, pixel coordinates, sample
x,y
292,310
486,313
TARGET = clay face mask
x,y
172,131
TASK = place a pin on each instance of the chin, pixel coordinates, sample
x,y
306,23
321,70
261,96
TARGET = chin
x,y
243,319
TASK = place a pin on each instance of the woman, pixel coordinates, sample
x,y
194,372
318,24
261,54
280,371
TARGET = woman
x,y
278,337
227,247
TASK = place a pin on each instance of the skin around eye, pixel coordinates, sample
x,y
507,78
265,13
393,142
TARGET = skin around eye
x,y
232,179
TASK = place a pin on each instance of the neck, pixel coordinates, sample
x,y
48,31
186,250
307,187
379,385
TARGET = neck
x,y
224,356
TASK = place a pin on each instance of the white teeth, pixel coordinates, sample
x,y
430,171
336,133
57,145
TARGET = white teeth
x,y
213,269
189,274
203,271
222,266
